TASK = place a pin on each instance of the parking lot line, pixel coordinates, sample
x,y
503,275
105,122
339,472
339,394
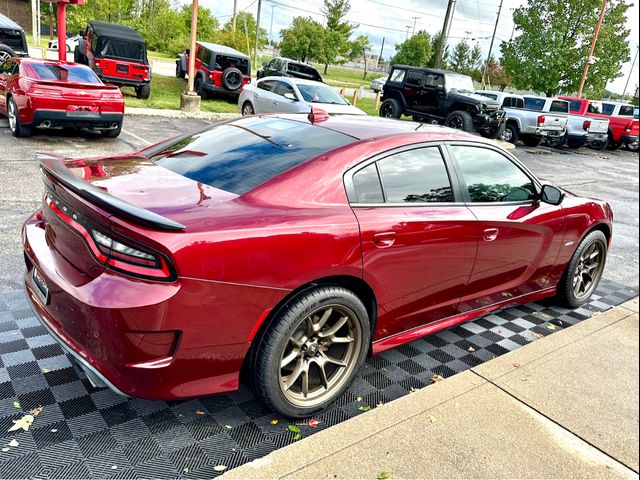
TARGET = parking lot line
x,y
140,139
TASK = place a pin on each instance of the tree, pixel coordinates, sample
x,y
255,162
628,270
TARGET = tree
x,y
245,28
117,11
302,40
497,75
459,60
550,54
436,42
337,31
415,51
359,48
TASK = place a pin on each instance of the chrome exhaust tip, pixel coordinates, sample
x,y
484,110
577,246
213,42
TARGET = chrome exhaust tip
x,y
46,124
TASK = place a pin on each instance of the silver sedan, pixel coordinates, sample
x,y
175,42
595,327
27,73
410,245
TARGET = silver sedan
x,y
292,95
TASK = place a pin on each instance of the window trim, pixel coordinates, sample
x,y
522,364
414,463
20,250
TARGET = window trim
x,y
352,196
465,189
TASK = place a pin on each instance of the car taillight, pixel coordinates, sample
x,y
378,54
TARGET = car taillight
x,y
586,125
628,127
44,92
96,63
112,96
541,119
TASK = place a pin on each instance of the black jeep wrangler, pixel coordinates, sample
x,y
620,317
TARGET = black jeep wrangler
x,y
13,42
285,67
439,96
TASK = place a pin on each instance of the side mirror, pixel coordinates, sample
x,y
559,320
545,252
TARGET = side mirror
x,y
551,195
290,96
264,64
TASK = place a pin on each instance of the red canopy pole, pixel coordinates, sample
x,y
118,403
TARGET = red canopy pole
x,y
62,32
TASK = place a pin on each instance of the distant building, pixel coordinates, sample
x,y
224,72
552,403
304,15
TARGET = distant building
x,y
19,11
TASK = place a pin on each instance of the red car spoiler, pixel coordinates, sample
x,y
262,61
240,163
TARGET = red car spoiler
x,y
54,165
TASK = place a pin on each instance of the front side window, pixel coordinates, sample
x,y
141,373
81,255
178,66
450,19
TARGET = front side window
x,y
559,106
574,106
492,177
397,76
414,78
320,93
282,88
595,107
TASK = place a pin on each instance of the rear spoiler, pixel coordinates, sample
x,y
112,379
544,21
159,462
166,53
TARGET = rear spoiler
x,y
55,166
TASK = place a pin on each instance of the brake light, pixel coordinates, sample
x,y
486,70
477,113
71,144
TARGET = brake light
x,y
112,96
44,92
541,119
96,63
586,125
628,127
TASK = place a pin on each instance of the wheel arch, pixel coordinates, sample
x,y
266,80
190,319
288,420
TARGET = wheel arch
x,y
396,96
602,227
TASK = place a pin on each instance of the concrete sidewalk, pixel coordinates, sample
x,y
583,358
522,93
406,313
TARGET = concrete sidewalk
x,y
565,406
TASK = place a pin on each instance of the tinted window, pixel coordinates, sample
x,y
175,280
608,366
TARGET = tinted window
x,y
491,177
559,106
125,49
492,96
534,103
268,85
69,73
226,61
201,54
7,68
414,78
397,76
594,107
241,155
282,88
575,105
416,176
608,108
367,185
626,110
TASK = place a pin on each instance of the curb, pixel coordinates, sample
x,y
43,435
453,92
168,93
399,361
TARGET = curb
x,y
179,114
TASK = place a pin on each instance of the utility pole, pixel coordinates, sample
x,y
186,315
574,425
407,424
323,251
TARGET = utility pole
x,y
257,33
235,15
190,100
630,73
381,50
413,32
446,26
273,5
590,58
493,38
407,35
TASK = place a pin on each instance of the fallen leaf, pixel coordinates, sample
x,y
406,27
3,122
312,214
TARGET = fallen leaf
x,y
517,365
293,428
13,443
274,422
228,427
16,404
6,449
200,412
437,378
313,422
36,411
24,423
383,475
364,409
220,468
538,335
471,349
185,470
551,326
431,418
297,437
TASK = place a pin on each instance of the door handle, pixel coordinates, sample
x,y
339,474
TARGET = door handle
x,y
384,239
490,234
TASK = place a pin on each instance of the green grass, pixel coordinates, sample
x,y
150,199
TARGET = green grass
x,y
165,94
348,76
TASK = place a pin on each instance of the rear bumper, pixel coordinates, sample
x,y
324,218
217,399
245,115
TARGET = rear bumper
x,y
123,82
597,137
577,138
628,139
59,118
209,86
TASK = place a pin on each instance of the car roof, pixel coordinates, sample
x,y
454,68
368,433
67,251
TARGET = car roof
x,y
297,81
115,31
223,49
6,22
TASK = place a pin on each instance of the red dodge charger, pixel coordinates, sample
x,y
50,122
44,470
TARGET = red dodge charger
x,y
51,94
293,246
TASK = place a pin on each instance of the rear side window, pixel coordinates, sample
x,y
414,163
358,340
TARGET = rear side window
x,y
559,106
534,103
626,110
595,107
69,73
397,76
513,102
608,108
367,185
268,85
574,105
239,156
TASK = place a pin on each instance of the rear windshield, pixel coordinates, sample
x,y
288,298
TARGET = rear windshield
x,y
559,106
304,71
68,73
239,156
492,96
534,103
123,49
13,39
225,61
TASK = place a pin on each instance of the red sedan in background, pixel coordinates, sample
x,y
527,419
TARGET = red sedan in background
x,y
50,94
293,246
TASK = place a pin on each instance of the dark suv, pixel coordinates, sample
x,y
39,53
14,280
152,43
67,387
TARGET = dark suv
x,y
219,69
12,40
439,96
284,67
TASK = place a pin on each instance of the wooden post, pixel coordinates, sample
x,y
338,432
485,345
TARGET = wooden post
x,y
376,104
192,48
354,100
342,92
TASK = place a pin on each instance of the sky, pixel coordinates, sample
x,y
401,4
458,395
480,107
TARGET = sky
x,y
393,20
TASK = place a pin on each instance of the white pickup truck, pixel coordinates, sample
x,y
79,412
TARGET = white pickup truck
x,y
530,126
581,130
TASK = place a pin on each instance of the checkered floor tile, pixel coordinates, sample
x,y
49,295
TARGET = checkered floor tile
x,y
84,432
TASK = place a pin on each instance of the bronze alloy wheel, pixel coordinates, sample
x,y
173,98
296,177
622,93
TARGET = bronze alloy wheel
x,y
320,355
588,271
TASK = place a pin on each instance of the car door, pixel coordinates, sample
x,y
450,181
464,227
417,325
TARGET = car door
x,y
7,71
418,238
283,104
265,96
519,236
433,93
413,90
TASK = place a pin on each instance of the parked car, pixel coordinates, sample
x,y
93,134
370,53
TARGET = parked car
x,y
51,94
580,130
440,96
268,242
523,124
13,42
285,67
623,129
378,83
219,69
292,95
117,54
72,43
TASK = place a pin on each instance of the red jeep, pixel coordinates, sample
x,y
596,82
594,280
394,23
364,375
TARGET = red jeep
x,y
219,69
117,54
623,128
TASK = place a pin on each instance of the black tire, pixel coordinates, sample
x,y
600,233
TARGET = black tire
x,y
247,109
418,119
531,140
78,57
143,91
575,145
179,72
567,286
599,144
391,108
113,133
231,79
6,53
283,334
198,86
632,147
511,133
495,133
460,120
17,129
556,141
613,146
